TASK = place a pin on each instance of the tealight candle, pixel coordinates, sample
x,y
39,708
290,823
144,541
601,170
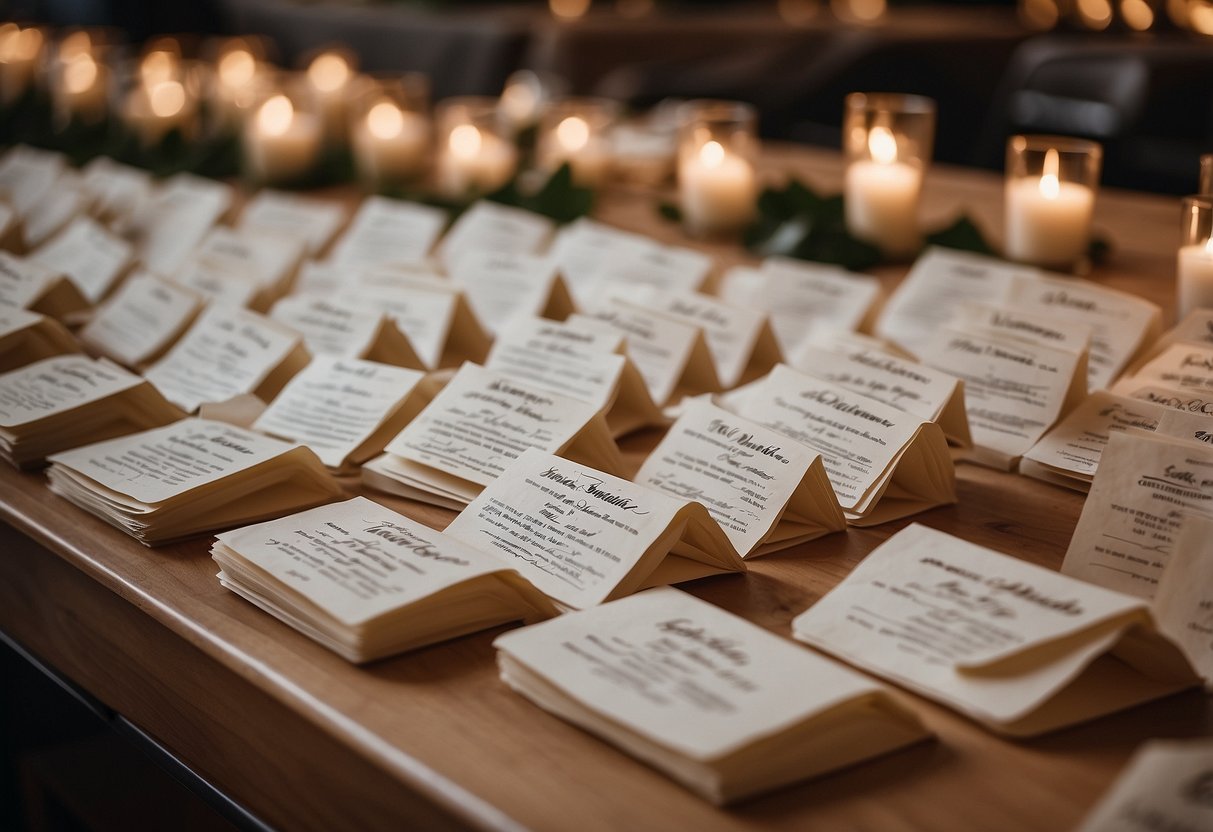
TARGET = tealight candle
x,y
80,92
888,139
19,52
1194,289
151,111
236,84
716,180
328,77
389,143
473,157
281,144
1050,198
575,133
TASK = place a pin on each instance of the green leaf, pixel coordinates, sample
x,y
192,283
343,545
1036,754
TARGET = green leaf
x,y
670,211
962,234
559,198
1100,249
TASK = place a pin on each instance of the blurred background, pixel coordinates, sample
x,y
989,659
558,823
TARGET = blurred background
x,y
1136,75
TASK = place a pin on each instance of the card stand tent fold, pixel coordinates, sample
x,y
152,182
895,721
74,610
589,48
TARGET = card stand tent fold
x,y
38,288
347,329
26,337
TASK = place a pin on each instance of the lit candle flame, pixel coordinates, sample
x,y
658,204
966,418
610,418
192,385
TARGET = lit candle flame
x,y
520,101
328,72
75,44
573,133
275,116
384,120
80,73
882,145
1050,187
712,154
237,68
157,66
17,44
166,98
465,141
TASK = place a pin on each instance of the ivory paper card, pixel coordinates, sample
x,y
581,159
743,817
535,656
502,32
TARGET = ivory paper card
x,y
68,400
581,247
27,284
720,705
218,286
116,190
27,174
501,287
26,337
387,231
344,409
51,214
1183,603
1121,324
12,236
228,353
436,317
1069,454
1025,325
1171,399
583,536
1164,787
175,220
190,477
90,256
941,281
476,426
141,320
313,222
766,491
581,362
664,268
1017,647
840,341
500,229
267,261
672,356
367,582
903,383
803,301
1126,533
884,463
347,329
1195,328
1014,390
1195,427
1183,366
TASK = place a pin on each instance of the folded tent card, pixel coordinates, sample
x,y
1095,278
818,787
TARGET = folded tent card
x,y
242,268
387,232
767,492
142,319
501,287
1019,648
722,706
69,400
1165,786
190,477
64,202
366,582
180,213
487,227
582,247
313,222
583,536
89,255
883,463
116,190
344,409
27,174
475,427
26,337
28,284
582,362
347,328
1183,366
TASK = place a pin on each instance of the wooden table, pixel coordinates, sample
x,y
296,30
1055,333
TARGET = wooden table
x,y
433,740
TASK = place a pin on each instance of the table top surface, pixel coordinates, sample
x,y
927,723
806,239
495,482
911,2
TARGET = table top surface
x,y
439,720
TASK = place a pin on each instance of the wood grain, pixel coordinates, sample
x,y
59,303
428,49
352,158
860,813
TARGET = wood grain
x,y
433,738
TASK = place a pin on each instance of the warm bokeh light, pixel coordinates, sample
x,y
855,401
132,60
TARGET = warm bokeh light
x,y
275,116
633,8
573,133
237,68
166,98
569,9
1137,14
711,154
17,44
1039,14
520,102
1050,186
1177,10
1095,14
862,10
1200,17
329,72
77,43
465,141
80,73
384,120
798,12
882,145
158,66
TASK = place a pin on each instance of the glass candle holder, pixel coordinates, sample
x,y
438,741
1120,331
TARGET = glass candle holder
x,y
1194,267
21,49
1206,173
329,79
283,138
241,77
80,87
576,131
717,182
1050,198
390,129
159,94
526,96
888,140
474,156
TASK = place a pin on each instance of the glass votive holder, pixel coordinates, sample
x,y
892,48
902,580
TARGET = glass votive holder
x,y
717,182
282,139
888,139
474,157
80,88
159,94
328,79
390,129
1050,198
241,77
525,97
21,51
1206,173
1194,267
576,131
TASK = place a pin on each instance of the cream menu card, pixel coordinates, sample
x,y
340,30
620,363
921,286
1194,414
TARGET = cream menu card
x,y
1166,787
347,328
141,320
387,231
501,287
313,222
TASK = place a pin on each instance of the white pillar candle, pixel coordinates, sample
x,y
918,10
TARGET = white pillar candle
x,y
1048,221
281,145
390,143
474,162
572,141
236,76
1195,289
82,88
328,76
718,190
150,112
881,197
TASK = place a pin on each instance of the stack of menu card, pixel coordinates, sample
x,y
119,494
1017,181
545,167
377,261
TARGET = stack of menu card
x,y
229,353
141,320
583,536
344,409
471,431
722,706
347,329
367,582
27,284
884,463
766,491
1019,648
190,477
68,400
26,337
581,362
